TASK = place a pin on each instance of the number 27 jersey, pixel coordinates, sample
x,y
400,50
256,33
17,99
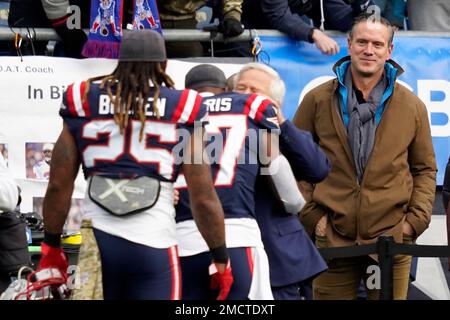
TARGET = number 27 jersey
x,y
235,126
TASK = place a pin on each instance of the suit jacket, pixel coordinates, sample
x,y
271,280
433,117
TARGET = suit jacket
x,y
292,255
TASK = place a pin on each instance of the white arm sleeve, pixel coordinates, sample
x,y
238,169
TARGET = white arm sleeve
x,y
55,9
285,185
9,193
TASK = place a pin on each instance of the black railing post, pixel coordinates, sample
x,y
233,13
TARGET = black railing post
x,y
386,262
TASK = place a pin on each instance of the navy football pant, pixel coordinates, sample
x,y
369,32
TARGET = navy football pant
x,y
196,280
135,271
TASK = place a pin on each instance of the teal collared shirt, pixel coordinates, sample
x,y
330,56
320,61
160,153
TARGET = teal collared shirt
x,y
391,73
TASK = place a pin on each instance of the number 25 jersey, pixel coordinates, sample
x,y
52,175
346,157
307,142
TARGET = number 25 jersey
x,y
105,151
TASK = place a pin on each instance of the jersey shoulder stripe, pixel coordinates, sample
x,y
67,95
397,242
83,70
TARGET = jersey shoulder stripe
x,y
255,106
180,107
84,104
195,111
261,109
75,104
187,109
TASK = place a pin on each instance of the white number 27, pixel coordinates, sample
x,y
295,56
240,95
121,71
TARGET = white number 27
x,y
236,133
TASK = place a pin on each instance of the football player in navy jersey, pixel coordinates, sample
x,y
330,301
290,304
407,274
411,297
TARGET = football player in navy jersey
x,y
123,129
236,122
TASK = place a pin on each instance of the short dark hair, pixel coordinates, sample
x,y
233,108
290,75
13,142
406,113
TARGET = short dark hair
x,y
372,18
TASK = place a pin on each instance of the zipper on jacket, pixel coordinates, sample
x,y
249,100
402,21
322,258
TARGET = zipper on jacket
x,y
337,108
358,209
360,185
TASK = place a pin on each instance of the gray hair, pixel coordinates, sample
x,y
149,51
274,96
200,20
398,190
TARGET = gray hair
x,y
231,82
277,86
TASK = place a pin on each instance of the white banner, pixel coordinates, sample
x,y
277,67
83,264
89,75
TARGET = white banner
x,y
31,92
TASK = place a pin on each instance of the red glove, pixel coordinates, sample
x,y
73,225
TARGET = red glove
x,y
53,258
221,280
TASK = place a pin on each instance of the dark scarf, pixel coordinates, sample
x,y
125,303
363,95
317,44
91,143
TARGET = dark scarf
x,y
361,126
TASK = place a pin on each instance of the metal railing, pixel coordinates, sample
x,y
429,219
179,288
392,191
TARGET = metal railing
x,y
387,249
45,34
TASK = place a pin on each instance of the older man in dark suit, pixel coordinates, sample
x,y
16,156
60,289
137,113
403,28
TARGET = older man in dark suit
x,y
293,259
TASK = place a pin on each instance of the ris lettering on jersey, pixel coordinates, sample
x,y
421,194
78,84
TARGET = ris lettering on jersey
x,y
104,151
235,127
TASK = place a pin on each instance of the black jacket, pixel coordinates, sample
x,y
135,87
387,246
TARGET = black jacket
x,y
30,13
13,243
285,15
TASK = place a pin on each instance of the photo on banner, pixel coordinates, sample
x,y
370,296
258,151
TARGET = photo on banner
x,y
38,159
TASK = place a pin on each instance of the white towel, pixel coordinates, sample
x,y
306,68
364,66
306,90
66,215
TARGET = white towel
x,y
260,288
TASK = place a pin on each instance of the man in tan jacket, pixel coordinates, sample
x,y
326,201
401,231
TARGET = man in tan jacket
x,y
382,182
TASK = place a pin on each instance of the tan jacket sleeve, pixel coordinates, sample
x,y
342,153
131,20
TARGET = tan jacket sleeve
x,y
422,164
304,119
232,8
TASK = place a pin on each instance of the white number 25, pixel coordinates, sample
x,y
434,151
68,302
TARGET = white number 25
x,y
115,145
